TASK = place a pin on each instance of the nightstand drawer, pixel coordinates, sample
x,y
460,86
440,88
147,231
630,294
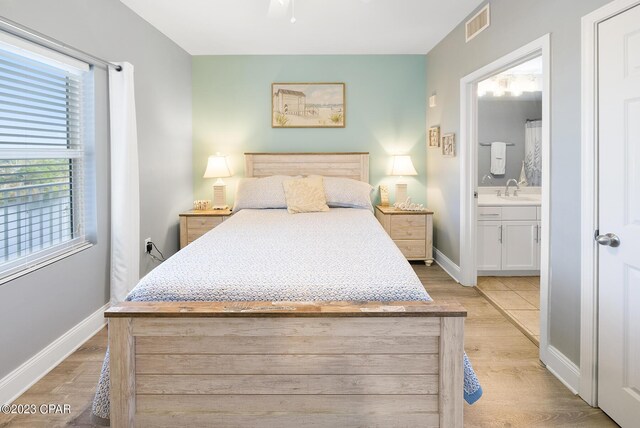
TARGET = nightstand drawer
x,y
194,224
410,231
412,249
199,225
203,223
193,234
196,227
408,227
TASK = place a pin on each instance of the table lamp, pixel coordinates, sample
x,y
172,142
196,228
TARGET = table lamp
x,y
402,166
217,167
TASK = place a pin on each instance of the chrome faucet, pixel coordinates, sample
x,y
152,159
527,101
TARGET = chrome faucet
x,y
515,192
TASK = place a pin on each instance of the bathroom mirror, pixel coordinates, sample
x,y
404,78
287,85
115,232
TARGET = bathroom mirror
x,y
509,126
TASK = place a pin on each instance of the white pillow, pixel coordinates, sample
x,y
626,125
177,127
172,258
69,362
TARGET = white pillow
x,y
347,193
260,193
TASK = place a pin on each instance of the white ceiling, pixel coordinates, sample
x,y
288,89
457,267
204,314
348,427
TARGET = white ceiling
x,y
262,27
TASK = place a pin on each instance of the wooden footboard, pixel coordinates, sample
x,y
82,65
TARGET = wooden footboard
x,y
285,364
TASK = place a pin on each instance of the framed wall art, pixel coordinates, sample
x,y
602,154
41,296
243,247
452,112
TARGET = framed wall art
x,y
434,137
449,145
308,105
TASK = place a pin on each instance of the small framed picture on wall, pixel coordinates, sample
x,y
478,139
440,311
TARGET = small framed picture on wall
x,y
434,137
449,145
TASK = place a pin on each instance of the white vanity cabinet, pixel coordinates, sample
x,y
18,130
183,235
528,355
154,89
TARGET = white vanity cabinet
x,y
489,245
508,239
519,245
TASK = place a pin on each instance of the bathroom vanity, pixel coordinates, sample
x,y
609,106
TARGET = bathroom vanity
x,y
508,233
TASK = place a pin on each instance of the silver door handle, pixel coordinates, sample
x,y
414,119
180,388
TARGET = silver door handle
x,y
500,239
609,239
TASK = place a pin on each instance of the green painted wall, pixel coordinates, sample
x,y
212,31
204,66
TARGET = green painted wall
x,y
385,112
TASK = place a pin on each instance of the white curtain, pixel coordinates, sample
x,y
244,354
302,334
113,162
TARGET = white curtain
x,y
533,152
125,200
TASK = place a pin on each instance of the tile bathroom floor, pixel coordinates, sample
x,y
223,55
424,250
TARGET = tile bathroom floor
x,y
518,298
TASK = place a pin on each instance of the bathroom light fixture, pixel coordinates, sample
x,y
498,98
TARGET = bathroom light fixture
x,y
218,167
515,85
402,165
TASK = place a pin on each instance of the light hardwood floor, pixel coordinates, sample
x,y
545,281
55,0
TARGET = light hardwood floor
x,y
518,390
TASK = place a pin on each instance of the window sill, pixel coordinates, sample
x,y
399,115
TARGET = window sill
x,y
44,263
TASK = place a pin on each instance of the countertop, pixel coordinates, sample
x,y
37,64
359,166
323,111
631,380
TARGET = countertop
x,y
523,199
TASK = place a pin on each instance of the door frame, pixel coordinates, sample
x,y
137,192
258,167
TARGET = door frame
x,y
469,176
589,178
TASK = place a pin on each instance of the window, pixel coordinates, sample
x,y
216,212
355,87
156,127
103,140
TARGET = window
x,y
42,156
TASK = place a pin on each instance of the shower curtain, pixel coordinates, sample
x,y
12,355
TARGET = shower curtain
x,y
533,152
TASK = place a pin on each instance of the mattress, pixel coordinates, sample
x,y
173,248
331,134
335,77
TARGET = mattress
x,y
270,255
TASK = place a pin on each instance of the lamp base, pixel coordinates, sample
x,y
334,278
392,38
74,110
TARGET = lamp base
x,y
219,197
401,192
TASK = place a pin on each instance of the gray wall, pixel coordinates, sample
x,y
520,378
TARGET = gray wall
x,y
39,307
503,119
514,24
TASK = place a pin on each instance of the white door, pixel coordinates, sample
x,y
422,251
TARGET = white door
x,y
519,246
619,214
489,245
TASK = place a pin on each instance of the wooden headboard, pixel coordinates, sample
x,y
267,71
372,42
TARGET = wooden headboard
x,y
349,165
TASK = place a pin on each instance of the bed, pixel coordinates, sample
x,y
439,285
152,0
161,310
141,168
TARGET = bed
x,y
279,320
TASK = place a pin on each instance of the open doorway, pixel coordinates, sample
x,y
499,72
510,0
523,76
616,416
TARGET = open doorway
x,y
509,166
505,156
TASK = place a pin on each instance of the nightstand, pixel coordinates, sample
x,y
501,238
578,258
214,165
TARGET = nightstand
x,y
412,231
195,223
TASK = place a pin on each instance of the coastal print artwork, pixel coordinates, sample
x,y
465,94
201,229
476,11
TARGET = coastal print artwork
x,y
449,145
307,105
434,136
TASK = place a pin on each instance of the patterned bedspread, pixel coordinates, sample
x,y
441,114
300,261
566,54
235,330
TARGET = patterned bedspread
x,y
271,255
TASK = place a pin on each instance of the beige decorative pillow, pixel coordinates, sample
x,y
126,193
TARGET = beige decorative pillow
x,y
305,195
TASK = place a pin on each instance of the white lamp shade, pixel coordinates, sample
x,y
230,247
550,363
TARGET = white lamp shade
x,y
217,167
402,165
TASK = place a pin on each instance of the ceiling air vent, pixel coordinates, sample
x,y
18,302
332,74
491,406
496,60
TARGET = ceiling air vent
x,y
478,23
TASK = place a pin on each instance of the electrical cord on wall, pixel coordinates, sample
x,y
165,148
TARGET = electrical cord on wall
x,y
150,247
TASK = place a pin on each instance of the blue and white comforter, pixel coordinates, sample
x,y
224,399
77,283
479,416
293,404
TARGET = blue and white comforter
x,y
271,255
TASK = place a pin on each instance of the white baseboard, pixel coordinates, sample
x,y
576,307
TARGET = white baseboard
x,y
563,368
36,367
447,265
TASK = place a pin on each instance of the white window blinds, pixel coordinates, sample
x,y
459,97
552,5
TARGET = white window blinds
x,y
41,159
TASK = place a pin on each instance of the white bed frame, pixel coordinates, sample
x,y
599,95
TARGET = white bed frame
x,y
288,364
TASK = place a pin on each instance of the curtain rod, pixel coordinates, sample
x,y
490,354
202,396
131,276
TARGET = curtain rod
x,y
38,38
